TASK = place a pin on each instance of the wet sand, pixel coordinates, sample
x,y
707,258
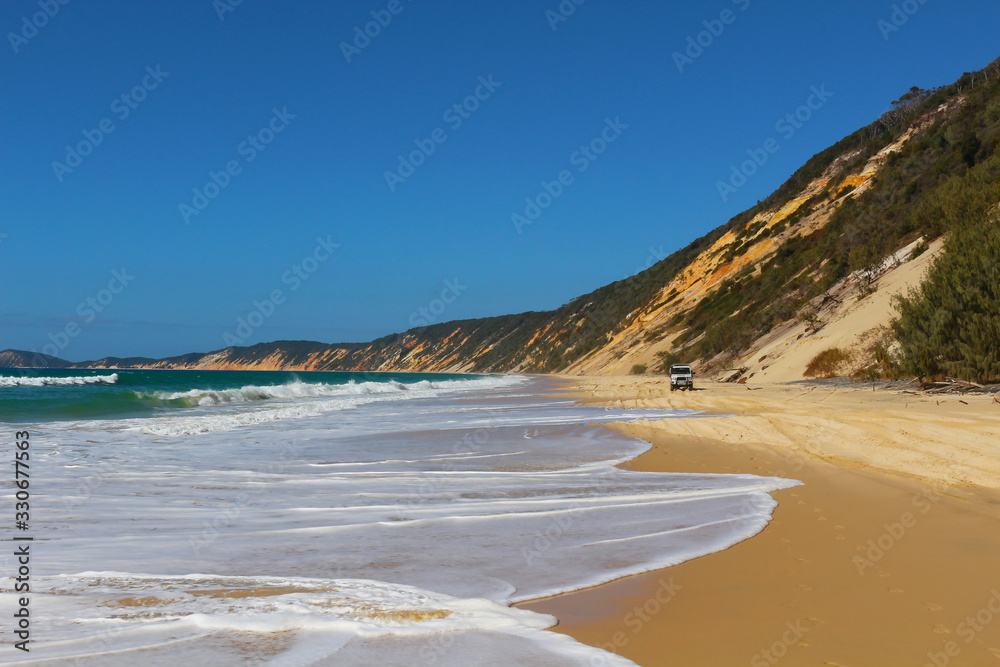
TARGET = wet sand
x,y
875,560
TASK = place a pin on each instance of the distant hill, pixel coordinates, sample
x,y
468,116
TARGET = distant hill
x,y
766,284
21,359
118,362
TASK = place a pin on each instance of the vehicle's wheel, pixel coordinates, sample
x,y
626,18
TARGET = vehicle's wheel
x,y
691,386
673,388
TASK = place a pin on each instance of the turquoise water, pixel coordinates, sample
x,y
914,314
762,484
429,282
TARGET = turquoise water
x,y
320,515
51,395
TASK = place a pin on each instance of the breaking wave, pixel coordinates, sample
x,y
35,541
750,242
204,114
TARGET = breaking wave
x,y
298,390
293,400
19,381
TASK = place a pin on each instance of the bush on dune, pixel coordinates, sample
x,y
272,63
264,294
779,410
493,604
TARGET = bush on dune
x,y
826,364
950,325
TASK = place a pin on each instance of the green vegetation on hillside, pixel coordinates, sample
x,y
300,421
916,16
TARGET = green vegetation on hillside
x,y
950,325
927,189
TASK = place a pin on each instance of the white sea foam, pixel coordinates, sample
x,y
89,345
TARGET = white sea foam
x,y
28,381
106,616
294,400
291,390
397,531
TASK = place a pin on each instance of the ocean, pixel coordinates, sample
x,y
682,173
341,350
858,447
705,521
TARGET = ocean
x,y
229,518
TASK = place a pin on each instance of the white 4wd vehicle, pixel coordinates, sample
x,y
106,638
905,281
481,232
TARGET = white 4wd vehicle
x,y
681,377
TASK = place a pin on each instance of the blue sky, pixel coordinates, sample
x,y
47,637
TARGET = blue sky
x,y
305,211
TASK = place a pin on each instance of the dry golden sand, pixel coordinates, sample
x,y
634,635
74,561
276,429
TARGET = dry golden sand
x,y
887,555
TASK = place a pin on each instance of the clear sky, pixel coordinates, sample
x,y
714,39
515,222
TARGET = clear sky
x,y
115,113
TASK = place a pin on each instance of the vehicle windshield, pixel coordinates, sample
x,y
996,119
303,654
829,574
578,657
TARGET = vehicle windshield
x,y
680,369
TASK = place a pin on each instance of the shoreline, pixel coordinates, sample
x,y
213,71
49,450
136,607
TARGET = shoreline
x,y
885,555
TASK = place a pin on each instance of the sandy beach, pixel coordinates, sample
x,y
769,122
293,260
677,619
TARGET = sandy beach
x,y
886,555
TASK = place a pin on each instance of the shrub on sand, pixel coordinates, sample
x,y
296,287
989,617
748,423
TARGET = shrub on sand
x,y
826,364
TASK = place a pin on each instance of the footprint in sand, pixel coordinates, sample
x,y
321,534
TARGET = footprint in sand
x,y
941,630
934,607
896,590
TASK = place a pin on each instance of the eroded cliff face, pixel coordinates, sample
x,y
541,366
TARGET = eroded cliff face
x,y
737,251
369,357
510,344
